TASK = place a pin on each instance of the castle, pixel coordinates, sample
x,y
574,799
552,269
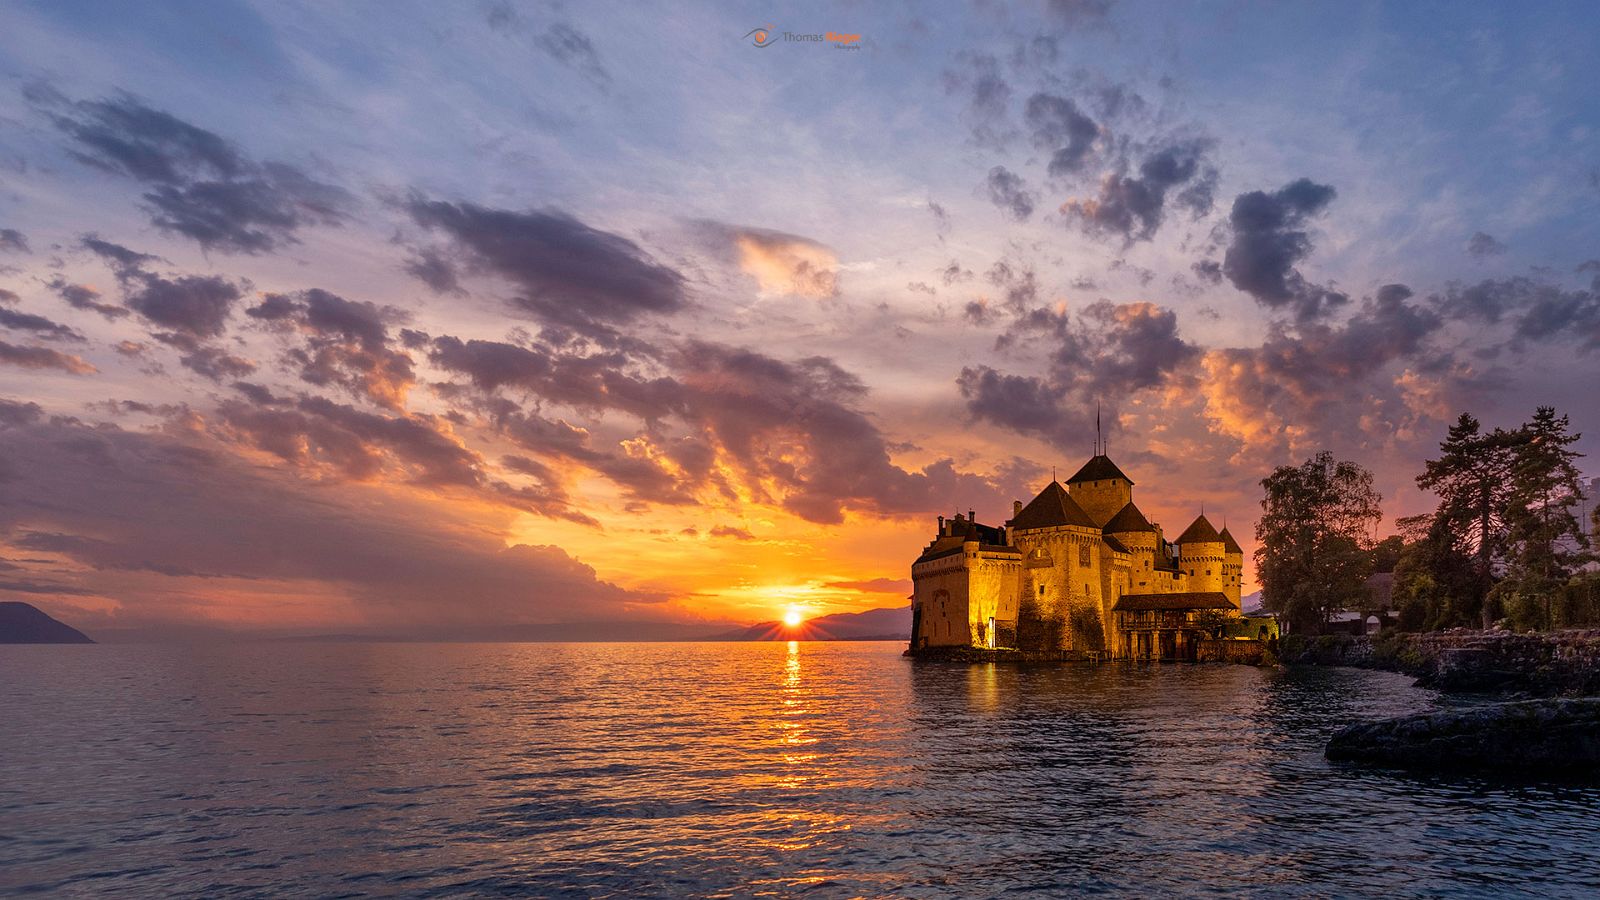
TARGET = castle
x,y
1078,569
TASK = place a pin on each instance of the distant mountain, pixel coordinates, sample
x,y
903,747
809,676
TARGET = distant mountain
x,y
1250,603
893,624
23,623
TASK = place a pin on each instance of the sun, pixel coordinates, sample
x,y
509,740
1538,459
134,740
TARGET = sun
x,y
792,617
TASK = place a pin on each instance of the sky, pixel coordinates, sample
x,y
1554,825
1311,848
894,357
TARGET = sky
x,y
441,319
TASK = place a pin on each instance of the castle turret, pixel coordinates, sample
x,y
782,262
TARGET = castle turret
x,y
1232,568
1101,489
1202,556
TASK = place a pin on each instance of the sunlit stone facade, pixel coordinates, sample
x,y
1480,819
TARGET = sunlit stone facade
x,y
1078,569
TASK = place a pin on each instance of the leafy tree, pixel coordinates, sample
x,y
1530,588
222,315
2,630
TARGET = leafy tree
x,y
1386,553
1314,547
1434,581
1472,478
1544,543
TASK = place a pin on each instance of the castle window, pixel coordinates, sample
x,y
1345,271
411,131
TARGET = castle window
x,y
1083,555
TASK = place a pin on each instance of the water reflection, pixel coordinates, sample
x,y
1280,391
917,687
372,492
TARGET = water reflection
x,y
731,769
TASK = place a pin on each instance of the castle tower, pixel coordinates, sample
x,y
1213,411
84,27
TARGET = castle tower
x,y
1101,489
1130,528
1202,556
1232,568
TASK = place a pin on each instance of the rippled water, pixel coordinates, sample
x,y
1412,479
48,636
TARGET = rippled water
x,y
730,769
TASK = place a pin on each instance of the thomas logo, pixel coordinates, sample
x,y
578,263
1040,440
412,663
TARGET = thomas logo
x,y
762,37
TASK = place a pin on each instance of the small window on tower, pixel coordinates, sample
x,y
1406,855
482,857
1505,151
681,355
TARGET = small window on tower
x,y
1083,555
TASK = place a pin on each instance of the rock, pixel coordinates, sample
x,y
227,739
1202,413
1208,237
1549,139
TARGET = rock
x,y
1532,736
1466,669
24,623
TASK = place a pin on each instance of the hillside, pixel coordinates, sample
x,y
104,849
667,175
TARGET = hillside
x,y
24,623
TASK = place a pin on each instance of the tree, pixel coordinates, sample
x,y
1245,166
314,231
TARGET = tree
x,y
1472,478
1314,540
1435,583
1544,542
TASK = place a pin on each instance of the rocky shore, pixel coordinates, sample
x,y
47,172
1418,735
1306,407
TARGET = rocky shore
x,y
1540,664
1532,737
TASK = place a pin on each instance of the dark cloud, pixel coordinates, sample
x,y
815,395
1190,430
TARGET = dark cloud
x,y
572,48
81,296
1538,310
9,296
1079,13
570,275
320,436
341,342
162,508
1132,207
194,305
207,360
1208,270
21,321
432,269
123,262
13,241
954,273
1269,239
43,358
730,531
1008,192
1106,354
200,185
16,412
1483,246
1056,124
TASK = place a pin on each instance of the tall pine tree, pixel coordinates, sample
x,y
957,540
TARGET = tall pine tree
x,y
1472,478
1544,542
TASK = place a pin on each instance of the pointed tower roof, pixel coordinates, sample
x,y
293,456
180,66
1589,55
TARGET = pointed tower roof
x,y
1099,468
1128,520
1054,506
1230,543
1201,532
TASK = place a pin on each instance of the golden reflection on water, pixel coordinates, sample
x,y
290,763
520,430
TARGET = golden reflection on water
x,y
793,733
983,688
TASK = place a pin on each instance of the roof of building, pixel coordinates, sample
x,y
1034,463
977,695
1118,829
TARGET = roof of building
x,y
1129,520
1201,532
933,552
1099,468
1115,544
1229,542
1187,600
1054,506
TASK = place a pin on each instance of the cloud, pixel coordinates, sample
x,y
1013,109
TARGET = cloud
x,y
1055,123
21,321
194,305
44,358
900,586
1108,353
1079,13
987,108
13,241
84,297
1133,207
341,342
729,531
175,529
1482,246
570,275
1008,192
200,185
1268,240
786,263
1539,311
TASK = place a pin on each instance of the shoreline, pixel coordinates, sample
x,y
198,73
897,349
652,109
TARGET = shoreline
x,y
1544,664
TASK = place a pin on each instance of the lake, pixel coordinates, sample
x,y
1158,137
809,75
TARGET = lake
x,y
825,769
